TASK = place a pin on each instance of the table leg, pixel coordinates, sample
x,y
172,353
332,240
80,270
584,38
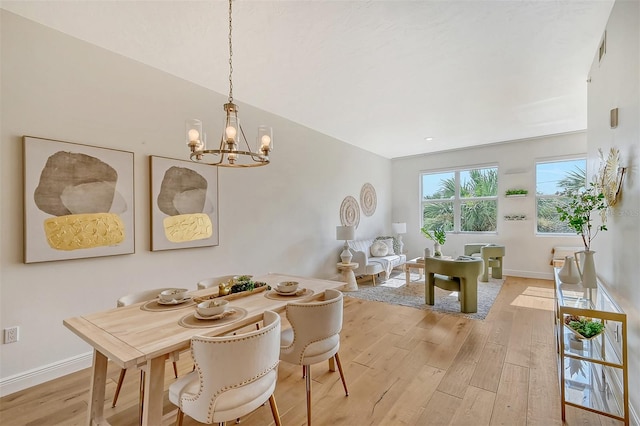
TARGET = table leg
x,y
350,278
96,393
407,272
154,387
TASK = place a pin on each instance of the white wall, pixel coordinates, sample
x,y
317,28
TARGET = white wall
x,y
615,83
527,254
281,217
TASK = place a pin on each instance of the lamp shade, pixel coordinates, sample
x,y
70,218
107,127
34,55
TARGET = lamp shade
x,y
399,227
345,233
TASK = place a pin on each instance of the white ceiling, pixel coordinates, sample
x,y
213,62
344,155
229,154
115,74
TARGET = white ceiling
x,y
381,75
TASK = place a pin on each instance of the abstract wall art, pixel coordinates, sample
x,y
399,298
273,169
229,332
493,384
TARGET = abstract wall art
x,y
78,201
184,204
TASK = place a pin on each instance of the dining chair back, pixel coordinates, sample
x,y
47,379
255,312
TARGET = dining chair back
x,y
130,299
314,336
234,375
214,281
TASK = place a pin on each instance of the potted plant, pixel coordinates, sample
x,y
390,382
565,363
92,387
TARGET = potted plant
x,y
438,236
516,192
577,214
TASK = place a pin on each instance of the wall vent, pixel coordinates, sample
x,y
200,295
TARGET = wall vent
x,y
603,47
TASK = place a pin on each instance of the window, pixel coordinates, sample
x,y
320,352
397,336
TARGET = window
x,y
461,200
554,181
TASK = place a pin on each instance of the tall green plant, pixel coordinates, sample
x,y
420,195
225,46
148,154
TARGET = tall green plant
x,y
437,235
577,213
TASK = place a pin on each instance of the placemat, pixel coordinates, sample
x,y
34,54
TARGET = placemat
x,y
154,306
272,294
189,321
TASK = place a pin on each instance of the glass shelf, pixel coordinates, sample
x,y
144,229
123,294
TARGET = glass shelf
x,y
587,385
593,372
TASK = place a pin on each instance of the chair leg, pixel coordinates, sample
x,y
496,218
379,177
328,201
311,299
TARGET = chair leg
x,y
304,371
118,387
175,369
308,382
179,417
344,382
274,410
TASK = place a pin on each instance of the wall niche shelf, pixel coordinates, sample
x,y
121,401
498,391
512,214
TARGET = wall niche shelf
x,y
593,374
515,217
515,196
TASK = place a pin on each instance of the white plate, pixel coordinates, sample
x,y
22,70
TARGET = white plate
x,y
174,301
289,293
210,317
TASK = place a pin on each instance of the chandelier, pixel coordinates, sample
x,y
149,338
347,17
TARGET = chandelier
x,y
234,150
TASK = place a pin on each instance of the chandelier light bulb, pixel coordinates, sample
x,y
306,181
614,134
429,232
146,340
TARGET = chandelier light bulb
x,y
266,140
194,135
231,132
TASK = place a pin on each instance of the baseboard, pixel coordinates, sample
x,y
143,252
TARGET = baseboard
x,y
528,274
36,376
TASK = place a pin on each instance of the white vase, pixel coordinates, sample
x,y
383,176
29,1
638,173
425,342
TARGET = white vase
x,y
427,252
437,250
588,271
569,273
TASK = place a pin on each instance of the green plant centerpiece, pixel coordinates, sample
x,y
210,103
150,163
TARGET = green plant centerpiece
x,y
437,235
577,213
238,285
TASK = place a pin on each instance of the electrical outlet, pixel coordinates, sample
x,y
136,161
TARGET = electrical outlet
x,y
11,335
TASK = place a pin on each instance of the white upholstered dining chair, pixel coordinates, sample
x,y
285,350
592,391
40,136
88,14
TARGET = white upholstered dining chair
x,y
234,375
214,281
314,336
127,300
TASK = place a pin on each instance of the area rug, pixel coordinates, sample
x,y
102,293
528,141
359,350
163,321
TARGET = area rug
x,y
396,291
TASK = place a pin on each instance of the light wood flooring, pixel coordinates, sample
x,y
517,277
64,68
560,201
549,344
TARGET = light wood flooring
x,y
403,366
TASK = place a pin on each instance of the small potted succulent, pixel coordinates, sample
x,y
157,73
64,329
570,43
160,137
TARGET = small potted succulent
x,y
516,192
438,236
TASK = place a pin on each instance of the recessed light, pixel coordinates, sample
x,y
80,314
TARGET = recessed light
x,y
428,138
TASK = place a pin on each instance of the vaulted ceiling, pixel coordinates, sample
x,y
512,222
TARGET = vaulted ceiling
x,y
381,75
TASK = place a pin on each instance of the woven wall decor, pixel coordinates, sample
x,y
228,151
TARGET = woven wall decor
x,y
349,212
368,199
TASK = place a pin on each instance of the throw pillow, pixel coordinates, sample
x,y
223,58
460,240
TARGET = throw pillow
x,y
379,249
389,243
396,244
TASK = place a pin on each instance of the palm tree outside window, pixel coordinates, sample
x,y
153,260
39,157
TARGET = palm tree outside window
x,y
461,200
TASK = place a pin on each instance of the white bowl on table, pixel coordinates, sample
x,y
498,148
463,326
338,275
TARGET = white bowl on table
x,y
173,294
213,307
287,286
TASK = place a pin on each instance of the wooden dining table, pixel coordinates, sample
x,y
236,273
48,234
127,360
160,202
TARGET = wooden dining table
x,y
134,336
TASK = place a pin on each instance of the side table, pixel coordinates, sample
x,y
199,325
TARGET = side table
x,y
348,276
417,263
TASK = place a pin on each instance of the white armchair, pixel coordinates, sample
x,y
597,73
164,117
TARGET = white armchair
x,y
214,281
314,336
234,375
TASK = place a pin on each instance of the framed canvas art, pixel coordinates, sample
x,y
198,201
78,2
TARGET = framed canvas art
x,y
78,201
184,204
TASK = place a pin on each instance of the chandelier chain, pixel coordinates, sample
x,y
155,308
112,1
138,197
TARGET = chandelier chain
x,y
230,57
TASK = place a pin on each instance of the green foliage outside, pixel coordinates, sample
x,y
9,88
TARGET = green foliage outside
x,y
475,215
549,220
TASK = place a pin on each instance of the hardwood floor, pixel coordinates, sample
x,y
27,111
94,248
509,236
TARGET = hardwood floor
x,y
403,366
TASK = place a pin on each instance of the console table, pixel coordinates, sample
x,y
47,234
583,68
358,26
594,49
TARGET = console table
x,y
593,372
